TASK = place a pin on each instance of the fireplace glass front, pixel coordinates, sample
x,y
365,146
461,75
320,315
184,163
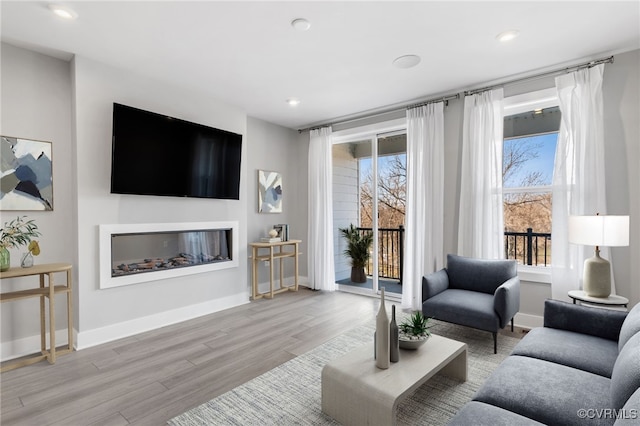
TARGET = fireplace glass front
x,y
136,253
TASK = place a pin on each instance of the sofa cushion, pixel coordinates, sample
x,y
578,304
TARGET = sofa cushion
x,y
481,414
589,353
479,274
630,413
470,308
630,326
625,379
597,322
546,392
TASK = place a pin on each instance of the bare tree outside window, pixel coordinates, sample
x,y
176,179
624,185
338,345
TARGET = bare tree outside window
x,y
392,192
527,173
392,184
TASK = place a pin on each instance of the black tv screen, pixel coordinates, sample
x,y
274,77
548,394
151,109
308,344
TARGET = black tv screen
x,y
153,154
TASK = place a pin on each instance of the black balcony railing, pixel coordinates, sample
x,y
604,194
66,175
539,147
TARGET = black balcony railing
x,y
390,252
528,248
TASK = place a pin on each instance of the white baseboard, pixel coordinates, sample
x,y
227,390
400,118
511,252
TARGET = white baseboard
x,y
528,320
29,345
112,332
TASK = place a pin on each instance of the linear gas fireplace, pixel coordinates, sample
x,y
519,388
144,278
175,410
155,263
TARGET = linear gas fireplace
x,y
134,253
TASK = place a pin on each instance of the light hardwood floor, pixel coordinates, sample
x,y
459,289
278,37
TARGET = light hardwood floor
x,y
152,377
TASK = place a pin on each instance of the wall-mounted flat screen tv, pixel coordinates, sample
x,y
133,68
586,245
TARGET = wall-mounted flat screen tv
x,y
153,154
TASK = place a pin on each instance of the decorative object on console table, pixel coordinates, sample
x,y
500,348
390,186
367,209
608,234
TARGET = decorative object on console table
x,y
598,231
27,258
382,335
283,231
16,233
272,238
26,174
394,343
5,259
269,192
414,331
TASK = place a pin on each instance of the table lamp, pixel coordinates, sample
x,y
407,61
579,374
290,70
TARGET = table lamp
x,y
598,231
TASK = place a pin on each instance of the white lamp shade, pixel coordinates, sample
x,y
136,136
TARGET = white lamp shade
x,y
608,231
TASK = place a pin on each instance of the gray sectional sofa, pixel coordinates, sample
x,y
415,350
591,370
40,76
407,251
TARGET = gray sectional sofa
x,y
581,368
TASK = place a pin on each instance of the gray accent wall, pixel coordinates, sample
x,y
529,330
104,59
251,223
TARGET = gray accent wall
x,y
275,148
70,104
36,104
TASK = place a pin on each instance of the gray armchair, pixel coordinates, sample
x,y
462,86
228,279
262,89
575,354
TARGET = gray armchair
x,y
478,293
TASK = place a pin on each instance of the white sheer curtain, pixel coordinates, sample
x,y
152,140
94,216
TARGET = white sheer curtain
x,y
481,219
424,220
578,176
320,236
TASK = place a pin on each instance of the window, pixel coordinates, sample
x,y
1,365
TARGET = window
x,y
530,136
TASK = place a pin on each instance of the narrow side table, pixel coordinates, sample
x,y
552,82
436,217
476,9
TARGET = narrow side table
x,y
611,300
271,257
49,290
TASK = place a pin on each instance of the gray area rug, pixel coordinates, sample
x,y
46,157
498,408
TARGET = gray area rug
x,y
290,393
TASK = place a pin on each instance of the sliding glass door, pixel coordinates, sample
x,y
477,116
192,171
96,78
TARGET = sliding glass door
x,y
369,193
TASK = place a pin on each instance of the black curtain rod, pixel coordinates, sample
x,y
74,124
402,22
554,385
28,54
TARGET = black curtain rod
x,y
608,60
445,99
590,64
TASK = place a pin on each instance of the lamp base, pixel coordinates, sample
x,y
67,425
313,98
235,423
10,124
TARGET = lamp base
x,y
597,276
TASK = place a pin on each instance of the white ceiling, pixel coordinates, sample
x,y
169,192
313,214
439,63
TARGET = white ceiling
x,y
248,55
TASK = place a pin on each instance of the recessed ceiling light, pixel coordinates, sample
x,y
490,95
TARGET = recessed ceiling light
x,y
507,35
406,61
63,11
301,24
293,102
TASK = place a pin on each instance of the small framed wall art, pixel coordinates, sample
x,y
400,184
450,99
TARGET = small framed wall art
x,y
269,192
27,178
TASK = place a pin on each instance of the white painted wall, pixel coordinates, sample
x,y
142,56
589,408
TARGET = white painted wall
x,y
622,130
275,148
35,99
621,89
70,104
49,99
106,314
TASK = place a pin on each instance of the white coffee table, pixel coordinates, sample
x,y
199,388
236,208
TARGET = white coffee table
x,y
356,392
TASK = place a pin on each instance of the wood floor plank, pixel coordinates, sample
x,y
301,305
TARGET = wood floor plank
x,y
152,377
109,410
114,420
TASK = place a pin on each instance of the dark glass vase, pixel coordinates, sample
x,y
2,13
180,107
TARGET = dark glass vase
x,y
394,343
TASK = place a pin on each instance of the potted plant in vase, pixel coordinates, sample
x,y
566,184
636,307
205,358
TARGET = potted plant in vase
x,y
358,245
16,233
414,331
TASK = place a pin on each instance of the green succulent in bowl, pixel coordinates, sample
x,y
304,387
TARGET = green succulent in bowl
x,y
416,325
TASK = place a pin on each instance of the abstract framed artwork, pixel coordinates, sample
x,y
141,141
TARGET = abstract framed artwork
x,y
26,178
269,192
